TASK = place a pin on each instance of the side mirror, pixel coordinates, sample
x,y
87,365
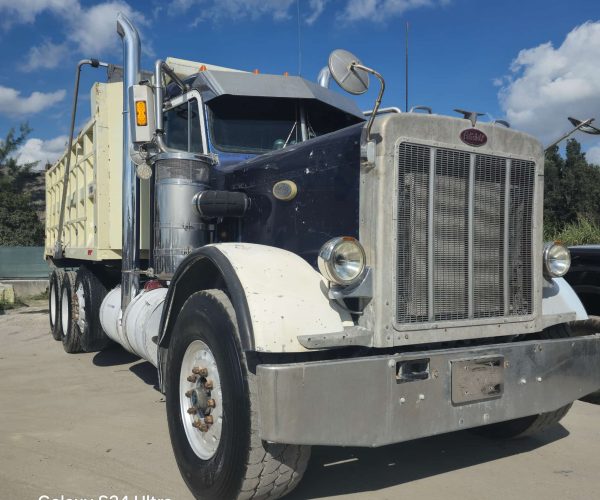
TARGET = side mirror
x,y
346,70
353,76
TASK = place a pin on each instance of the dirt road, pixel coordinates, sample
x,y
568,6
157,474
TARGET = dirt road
x,y
88,425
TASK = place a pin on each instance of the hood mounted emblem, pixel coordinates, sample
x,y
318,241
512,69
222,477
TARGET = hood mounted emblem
x,y
469,115
473,137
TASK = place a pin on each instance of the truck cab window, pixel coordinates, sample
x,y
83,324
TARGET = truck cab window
x,y
253,125
182,127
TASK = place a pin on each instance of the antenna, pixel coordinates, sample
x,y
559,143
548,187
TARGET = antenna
x,y
406,71
299,42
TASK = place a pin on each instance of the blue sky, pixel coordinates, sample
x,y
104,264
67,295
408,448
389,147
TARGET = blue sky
x,y
531,61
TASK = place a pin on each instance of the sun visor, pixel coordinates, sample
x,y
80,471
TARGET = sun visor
x,y
212,84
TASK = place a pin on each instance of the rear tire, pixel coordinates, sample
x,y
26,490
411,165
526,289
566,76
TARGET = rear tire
x,y
89,293
527,426
227,460
68,314
55,285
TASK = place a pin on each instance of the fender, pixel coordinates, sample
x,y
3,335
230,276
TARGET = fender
x,y
277,296
560,303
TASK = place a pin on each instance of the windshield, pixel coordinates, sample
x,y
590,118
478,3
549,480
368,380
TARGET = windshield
x,y
256,125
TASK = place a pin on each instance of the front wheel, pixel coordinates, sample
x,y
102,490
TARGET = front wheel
x,y
212,410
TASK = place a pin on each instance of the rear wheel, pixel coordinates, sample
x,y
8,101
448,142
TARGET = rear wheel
x,y
527,426
89,294
212,410
68,314
54,288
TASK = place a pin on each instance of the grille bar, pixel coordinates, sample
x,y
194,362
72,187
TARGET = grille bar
x,y
471,239
431,236
505,252
464,235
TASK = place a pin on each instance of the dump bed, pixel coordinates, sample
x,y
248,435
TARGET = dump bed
x,y
92,222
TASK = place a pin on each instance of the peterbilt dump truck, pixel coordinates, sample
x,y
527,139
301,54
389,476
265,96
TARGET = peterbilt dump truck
x,y
302,274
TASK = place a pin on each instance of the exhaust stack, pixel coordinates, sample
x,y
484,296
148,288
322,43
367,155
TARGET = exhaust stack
x,y
324,77
130,280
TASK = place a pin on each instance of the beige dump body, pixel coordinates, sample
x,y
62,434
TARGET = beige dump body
x,y
92,223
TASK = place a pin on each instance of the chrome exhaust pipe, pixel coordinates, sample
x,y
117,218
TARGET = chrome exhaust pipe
x,y
130,254
324,77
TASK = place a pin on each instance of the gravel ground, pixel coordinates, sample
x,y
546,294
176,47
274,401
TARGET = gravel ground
x,y
88,425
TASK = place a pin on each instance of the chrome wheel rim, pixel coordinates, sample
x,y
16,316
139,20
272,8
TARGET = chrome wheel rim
x,y
53,300
64,312
79,294
201,399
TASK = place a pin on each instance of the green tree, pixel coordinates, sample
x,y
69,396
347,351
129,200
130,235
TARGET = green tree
x,y
19,223
571,194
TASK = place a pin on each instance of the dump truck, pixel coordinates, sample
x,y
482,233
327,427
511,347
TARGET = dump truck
x,y
302,273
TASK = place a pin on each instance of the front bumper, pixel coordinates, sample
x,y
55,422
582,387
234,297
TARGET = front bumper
x,y
378,400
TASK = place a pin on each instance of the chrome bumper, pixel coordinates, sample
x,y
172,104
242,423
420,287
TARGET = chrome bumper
x,y
379,400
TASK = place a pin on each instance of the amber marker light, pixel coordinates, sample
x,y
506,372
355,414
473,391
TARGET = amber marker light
x,y
141,113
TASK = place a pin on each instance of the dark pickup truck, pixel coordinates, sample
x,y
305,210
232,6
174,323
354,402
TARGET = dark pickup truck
x,y
584,277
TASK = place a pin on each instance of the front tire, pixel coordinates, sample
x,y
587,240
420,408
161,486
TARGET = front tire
x,y
225,459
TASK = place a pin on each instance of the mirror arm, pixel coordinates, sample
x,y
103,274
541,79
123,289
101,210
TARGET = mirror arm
x,y
379,97
582,124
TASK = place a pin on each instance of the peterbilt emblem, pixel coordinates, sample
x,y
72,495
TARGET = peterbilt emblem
x,y
473,137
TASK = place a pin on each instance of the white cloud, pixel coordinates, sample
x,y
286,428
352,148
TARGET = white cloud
x,y
316,8
593,155
25,11
223,10
38,150
382,10
12,103
220,10
548,84
92,30
48,55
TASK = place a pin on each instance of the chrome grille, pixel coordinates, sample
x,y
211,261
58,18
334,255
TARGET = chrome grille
x,y
464,227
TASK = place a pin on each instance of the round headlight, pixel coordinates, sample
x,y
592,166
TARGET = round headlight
x,y
342,260
557,259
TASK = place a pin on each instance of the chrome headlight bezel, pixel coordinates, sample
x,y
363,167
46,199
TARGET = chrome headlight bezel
x,y
557,259
329,260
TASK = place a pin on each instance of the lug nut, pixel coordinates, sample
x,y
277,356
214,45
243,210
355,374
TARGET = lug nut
x,y
211,403
188,394
203,372
208,385
208,419
200,426
192,378
192,411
